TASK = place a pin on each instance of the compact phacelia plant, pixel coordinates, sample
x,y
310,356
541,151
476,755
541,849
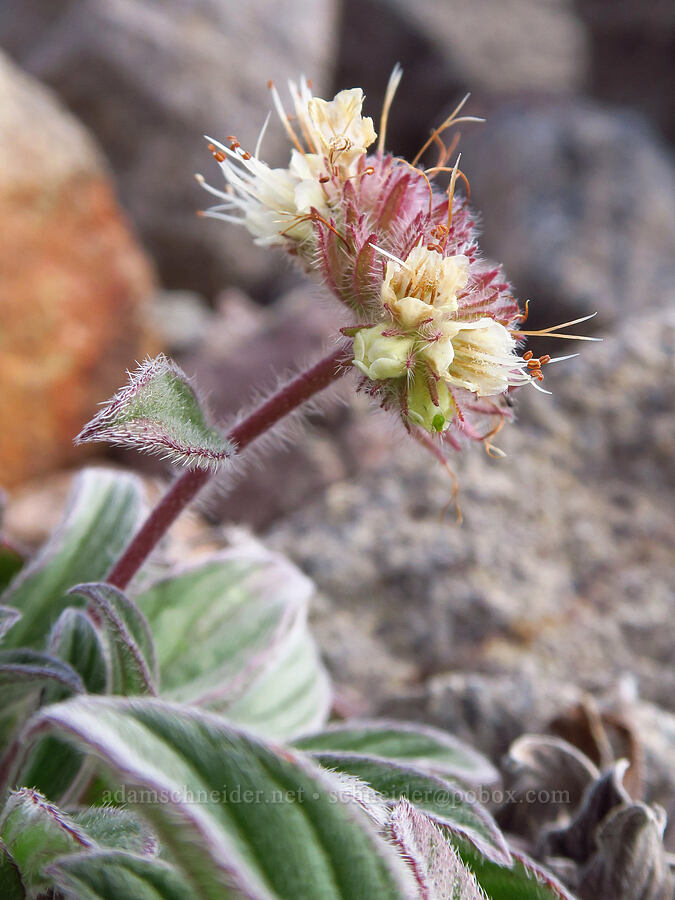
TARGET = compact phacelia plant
x,y
434,332
178,715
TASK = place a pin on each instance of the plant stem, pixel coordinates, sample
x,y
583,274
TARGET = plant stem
x,y
186,488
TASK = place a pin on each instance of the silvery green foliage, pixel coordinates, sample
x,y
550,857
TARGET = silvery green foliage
x,y
437,867
103,509
159,412
193,795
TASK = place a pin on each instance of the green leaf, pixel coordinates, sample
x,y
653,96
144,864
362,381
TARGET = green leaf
x,y
443,801
159,412
104,509
53,765
437,867
231,812
24,676
11,562
524,880
231,635
422,746
128,643
10,877
27,677
114,875
8,617
35,832
75,640
117,829
23,671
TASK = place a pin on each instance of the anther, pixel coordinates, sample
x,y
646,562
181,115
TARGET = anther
x,y
527,356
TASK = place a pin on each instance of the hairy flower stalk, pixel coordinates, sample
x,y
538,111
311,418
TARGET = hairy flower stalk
x,y
288,398
436,328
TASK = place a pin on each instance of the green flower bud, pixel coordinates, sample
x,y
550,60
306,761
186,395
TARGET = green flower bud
x,y
421,407
381,356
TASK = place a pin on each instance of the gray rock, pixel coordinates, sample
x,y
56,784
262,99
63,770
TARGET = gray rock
x,y
505,45
150,77
631,49
580,208
563,568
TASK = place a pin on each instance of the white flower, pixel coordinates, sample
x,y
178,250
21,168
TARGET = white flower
x,y
338,130
423,286
275,204
479,356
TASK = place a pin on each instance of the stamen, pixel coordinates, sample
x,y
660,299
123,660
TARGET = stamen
x,y
423,174
553,329
391,257
392,86
281,112
425,439
451,120
451,193
258,144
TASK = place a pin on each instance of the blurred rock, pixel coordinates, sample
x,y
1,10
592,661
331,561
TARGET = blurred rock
x,y
150,78
632,45
431,76
75,285
182,320
564,566
504,45
580,208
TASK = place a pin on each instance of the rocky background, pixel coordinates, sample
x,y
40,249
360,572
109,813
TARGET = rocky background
x,y
556,595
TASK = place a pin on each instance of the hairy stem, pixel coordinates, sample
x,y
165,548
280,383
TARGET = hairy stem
x,y
186,488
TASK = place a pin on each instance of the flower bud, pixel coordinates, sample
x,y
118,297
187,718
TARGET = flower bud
x,y
380,355
423,411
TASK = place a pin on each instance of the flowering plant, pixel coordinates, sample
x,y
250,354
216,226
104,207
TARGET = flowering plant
x,y
150,706
435,328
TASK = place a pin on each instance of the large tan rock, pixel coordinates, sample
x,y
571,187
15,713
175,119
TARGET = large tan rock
x,y
73,282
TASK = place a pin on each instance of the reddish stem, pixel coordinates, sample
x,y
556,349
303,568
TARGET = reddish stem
x,y
186,488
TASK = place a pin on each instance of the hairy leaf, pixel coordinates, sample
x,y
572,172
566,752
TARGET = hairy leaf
x,y
113,875
231,634
443,801
159,412
52,765
25,677
23,671
232,812
104,508
425,747
75,640
117,829
523,880
128,642
35,832
437,868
